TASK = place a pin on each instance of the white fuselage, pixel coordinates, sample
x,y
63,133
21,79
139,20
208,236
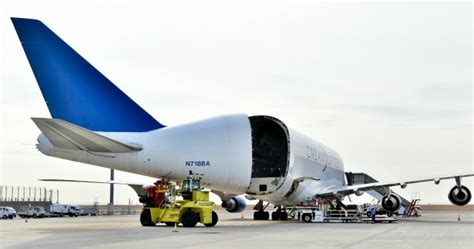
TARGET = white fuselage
x,y
234,153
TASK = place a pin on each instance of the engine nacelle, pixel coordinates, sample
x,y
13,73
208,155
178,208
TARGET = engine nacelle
x,y
392,203
459,197
234,205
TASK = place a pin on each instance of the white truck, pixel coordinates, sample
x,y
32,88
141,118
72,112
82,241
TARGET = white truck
x,y
64,209
35,212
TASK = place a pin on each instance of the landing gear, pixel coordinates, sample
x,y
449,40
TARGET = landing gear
x,y
261,215
283,216
276,215
280,214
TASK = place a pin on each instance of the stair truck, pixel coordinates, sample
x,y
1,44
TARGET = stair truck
x,y
173,203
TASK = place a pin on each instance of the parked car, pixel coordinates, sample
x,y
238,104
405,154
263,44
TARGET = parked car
x,y
89,211
35,212
7,212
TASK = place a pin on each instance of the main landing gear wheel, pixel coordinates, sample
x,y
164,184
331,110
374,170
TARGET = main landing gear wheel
x,y
283,216
215,218
189,219
145,219
279,215
261,215
276,215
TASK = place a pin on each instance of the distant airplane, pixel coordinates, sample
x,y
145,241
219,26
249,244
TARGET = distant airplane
x,y
94,122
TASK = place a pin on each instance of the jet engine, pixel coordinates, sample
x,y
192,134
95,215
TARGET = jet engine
x,y
234,205
391,203
459,196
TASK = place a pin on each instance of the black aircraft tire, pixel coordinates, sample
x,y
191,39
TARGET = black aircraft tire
x,y
275,215
283,216
265,215
257,216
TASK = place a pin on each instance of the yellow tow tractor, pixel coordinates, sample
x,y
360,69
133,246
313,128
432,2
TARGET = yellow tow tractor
x,y
165,203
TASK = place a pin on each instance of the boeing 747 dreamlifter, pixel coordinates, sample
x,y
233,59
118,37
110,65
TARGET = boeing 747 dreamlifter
x,y
94,122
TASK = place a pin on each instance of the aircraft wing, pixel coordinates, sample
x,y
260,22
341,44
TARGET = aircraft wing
x,y
351,189
65,135
135,186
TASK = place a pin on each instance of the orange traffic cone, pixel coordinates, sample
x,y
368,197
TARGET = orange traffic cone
x,y
242,216
26,219
175,228
459,217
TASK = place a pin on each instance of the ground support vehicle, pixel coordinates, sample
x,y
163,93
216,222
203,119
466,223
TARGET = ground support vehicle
x,y
348,215
64,209
35,212
379,219
7,213
89,212
165,203
309,212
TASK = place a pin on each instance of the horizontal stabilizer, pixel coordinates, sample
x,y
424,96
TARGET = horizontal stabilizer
x,y
65,135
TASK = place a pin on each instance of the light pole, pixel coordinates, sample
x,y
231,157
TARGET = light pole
x,y
111,202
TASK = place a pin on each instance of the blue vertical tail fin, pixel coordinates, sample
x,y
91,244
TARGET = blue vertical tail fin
x,y
73,89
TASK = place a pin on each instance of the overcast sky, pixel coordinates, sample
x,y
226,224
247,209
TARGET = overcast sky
x,y
387,85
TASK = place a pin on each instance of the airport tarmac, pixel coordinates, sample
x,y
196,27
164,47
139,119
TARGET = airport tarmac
x,y
435,229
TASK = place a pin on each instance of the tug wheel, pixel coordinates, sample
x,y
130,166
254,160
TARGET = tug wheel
x,y
215,218
189,219
307,218
145,218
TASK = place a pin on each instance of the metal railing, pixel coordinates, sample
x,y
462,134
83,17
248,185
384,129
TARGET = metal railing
x,y
28,193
